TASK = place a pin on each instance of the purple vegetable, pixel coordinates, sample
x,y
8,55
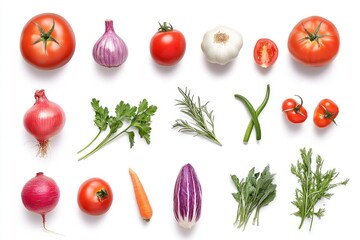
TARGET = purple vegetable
x,y
110,50
187,197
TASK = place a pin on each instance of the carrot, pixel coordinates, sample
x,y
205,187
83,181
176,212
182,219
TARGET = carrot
x,y
141,197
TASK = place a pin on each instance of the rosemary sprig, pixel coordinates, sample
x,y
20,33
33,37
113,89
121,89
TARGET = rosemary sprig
x,y
314,186
203,119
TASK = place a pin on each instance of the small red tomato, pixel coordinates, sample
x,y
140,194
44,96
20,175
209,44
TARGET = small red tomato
x,y
325,113
295,112
167,46
265,52
47,41
95,196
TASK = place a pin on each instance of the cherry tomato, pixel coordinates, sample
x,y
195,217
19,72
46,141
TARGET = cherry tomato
x,y
47,41
167,46
265,52
95,196
295,112
314,41
325,113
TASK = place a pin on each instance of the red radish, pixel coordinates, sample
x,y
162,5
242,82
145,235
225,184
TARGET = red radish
x,y
44,120
40,195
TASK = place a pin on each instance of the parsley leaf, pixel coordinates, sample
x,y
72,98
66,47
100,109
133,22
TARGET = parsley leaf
x,y
135,117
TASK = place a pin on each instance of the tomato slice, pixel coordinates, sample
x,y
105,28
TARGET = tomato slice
x,y
265,52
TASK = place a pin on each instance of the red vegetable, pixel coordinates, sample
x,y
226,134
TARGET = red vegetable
x,y
47,41
295,112
265,52
314,41
325,113
167,46
40,195
95,196
44,120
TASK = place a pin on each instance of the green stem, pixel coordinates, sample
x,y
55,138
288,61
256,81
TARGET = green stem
x,y
104,142
258,111
90,142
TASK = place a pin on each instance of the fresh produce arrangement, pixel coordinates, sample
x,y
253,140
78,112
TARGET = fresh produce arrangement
x,y
315,185
48,42
221,44
253,192
187,197
40,195
168,45
44,120
203,119
136,117
95,196
254,114
110,50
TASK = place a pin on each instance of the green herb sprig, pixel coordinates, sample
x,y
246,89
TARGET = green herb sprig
x,y
253,192
314,186
136,117
203,119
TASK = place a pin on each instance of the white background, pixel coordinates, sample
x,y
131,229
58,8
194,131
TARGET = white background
x,y
158,164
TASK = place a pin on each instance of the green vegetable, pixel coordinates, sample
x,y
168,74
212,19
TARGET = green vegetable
x,y
253,192
203,124
136,117
314,186
254,114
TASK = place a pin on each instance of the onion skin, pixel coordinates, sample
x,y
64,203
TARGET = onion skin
x,y
187,197
44,120
40,195
110,50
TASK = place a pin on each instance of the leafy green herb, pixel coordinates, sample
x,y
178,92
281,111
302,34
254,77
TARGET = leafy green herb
x,y
254,114
253,192
203,124
136,117
314,186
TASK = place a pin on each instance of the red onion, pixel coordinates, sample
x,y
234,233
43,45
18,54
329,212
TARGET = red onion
x,y
110,50
44,120
40,195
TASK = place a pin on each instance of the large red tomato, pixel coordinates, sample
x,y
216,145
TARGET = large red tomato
x,y
95,196
47,41
314,41
167,46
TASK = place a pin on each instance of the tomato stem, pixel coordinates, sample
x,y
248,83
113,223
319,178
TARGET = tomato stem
x,y
328,114
102,194
46,36
165,27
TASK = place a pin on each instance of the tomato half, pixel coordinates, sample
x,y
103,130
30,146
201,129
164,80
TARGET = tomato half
x,y
314,41
167,46
95,196
295,112
47,41
265,52
325,113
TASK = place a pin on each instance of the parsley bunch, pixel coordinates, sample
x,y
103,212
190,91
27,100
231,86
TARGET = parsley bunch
x,y
136,117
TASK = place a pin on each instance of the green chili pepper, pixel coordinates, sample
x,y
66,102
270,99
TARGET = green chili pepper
x,y
254,115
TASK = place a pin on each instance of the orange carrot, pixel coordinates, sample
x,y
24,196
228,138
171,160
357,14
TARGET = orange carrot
x,y
141,197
